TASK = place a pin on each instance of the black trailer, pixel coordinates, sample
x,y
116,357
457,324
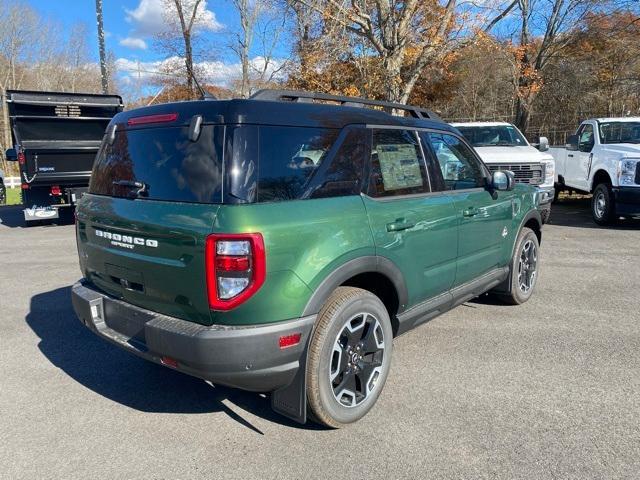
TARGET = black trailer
x,y
56,137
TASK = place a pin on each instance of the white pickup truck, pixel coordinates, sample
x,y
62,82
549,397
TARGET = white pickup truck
x,y
502,147
603,158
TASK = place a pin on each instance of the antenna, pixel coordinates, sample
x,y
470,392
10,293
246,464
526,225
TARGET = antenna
x,y
204,95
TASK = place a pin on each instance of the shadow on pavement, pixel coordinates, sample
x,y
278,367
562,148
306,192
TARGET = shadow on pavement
x,y
576,212
124,378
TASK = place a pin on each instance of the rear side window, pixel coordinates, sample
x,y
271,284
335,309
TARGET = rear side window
x,y
274,164
165,162
397,166
289,159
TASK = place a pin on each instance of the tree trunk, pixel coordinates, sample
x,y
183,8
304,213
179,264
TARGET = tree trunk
x,y
188,60
523,115
392,65
103,54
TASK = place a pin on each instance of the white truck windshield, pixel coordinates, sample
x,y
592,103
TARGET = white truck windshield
x,y
620,132
493,135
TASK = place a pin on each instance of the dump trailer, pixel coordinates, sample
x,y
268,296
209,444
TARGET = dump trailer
x,y
56,137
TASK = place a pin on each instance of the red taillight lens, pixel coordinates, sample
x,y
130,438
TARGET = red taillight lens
x,y
232,264
24,186
235,268
160,118
170,362
289,340
55,190
21,158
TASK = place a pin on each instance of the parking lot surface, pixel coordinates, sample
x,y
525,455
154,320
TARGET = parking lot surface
x,y
549,389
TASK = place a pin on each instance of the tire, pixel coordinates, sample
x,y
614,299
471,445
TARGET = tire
x,y
3,193
349,357
545,215
603,206
556,194
524,268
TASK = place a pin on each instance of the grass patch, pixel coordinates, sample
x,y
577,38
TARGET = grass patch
x,y
14,196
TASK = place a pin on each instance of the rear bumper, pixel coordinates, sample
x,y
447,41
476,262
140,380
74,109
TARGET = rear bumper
x,y
627,200
243,357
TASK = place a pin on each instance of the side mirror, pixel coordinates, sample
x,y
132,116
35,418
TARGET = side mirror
x,y
11,155
543,144
502,181
572,143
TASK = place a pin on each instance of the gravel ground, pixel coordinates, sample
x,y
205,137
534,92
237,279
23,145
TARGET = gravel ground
x,y
549,389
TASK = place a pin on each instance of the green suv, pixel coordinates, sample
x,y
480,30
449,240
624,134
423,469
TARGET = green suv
x,y
278,244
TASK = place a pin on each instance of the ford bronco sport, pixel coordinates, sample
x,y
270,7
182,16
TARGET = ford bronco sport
x,y
279,243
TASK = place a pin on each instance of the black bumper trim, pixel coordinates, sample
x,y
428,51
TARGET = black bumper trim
x,y
246,357
627,200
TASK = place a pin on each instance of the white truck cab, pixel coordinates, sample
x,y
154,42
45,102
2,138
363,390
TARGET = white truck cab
x,y
503,147
603,158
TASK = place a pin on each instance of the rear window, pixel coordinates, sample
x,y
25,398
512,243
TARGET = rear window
x,y
161,164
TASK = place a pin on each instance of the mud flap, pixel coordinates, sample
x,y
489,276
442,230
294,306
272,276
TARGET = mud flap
x,y
291,401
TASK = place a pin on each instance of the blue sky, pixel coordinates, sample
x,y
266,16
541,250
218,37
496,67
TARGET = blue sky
x,y
131,25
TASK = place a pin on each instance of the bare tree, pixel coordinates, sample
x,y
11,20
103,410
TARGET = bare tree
x,y
103,53
248,11
261,22
187,12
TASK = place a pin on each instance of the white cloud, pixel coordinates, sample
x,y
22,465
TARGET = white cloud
x,y
133,42
215,72
148,18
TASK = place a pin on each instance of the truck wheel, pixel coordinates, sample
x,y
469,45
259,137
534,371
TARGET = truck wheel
x,y
3,193
603,207
524,268
349,357
545,215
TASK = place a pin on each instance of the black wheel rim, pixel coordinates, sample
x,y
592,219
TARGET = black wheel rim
x,y
357,359
527,266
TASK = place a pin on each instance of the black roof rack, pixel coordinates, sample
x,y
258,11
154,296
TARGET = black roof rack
x,y
309,97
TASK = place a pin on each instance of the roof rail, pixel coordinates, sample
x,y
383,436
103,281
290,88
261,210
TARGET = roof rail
x,y
309,97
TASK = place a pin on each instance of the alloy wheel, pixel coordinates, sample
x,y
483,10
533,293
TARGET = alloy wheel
x,y
527,266
357,359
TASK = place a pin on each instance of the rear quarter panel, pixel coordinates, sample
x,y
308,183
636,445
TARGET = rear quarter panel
x,y
305,240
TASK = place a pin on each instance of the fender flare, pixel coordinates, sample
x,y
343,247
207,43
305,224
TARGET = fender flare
x,y
366,264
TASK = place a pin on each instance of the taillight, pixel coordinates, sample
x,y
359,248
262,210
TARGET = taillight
x,y
24,186
236,268
56,191
21,158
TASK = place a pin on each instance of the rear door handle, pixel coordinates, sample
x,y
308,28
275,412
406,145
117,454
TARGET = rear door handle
x,y
399,224
470,212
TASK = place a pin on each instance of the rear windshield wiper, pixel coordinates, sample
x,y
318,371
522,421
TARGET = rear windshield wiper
x,y
142,187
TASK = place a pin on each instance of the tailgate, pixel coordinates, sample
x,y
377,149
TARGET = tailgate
x,y
60,165
153,198
149,253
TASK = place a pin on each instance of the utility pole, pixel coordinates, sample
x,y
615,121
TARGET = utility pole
x,y
103,54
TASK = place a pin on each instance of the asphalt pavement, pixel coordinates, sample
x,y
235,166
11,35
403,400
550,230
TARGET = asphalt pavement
x,y
549,389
